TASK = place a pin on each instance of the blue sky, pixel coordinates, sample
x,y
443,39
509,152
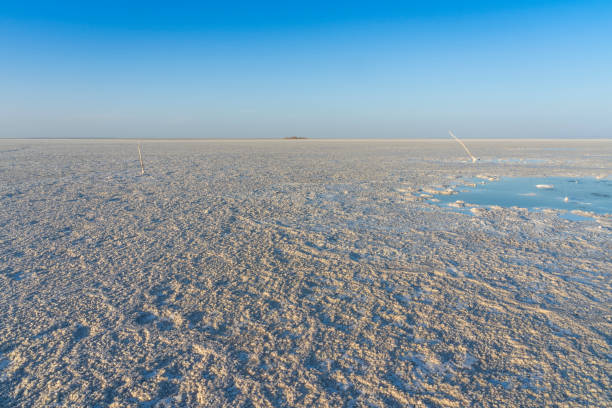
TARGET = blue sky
x,y
313,69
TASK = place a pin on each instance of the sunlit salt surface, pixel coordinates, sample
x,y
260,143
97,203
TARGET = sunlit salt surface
x,y
310,273
560,193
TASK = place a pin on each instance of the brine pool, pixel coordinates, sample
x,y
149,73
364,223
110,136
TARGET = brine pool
x,y
560,193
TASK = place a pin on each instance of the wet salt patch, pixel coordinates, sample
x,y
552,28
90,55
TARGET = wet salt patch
x,y
574,217
589,196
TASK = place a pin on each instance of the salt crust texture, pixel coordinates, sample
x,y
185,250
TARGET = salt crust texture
x,y
296,273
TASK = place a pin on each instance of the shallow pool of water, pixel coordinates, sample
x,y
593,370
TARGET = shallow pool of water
x,y
562,193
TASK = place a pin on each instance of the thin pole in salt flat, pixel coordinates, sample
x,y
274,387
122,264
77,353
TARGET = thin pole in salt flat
x,y
141,164
474,159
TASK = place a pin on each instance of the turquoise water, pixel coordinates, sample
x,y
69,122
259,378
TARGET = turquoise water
x,y
562,193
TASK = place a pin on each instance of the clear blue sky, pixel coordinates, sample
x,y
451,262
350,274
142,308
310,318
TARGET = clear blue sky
x,y
313,68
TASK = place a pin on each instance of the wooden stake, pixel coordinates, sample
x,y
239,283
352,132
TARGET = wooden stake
x,y
474,159
141,164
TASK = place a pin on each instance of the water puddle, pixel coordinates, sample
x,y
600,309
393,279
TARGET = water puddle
x,y
581,195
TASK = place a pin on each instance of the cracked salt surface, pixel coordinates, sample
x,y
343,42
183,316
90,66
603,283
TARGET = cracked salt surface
x,y
282,273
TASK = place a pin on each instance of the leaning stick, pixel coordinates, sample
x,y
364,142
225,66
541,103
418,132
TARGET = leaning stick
x,y
141,164
474,159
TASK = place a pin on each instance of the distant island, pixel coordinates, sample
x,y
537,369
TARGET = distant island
x,y
294,138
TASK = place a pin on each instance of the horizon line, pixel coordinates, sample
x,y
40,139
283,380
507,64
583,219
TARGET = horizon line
x,y
307,139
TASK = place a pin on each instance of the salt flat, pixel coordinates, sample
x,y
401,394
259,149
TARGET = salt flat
x,y
296,273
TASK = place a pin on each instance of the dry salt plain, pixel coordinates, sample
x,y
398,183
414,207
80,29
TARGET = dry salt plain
x,y
297,273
